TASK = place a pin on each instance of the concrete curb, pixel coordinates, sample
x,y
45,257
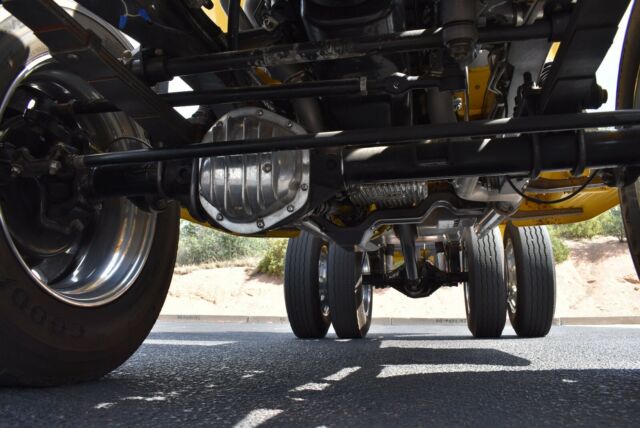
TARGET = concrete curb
x,y
240,319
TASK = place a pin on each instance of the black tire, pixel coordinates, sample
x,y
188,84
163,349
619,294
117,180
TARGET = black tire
x,y
628,97
630,212
485,292
304,294
45,340
530,279
350,311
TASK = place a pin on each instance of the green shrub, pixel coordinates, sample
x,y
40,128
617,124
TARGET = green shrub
x,y
199,245
583,230
612,224
606,224
560,249
272,262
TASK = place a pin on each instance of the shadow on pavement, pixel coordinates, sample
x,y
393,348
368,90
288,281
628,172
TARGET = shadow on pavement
x,y
220,379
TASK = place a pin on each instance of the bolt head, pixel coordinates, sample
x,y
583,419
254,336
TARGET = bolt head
x,y
260,224
259,112
289,124
290,208
219,217
267,168
54,167
304,187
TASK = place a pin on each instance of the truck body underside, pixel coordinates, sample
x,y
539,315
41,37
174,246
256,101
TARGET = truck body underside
x,y
385,126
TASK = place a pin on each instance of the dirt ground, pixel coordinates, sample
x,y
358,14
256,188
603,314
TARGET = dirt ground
x,y
598,280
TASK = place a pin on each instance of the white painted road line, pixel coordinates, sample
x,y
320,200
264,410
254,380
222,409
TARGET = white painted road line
x,y
257,417
187,342
311,387
338,376
424,369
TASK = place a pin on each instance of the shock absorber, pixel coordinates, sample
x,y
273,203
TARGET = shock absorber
x,y
459,29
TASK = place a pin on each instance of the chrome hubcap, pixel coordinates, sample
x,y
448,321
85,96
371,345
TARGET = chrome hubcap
x,y
465,268
97,255
511,276
322,281
364,294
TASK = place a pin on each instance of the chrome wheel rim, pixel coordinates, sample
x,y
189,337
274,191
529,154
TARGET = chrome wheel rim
x,y
465,268
364,294
322,281
95,264
511,276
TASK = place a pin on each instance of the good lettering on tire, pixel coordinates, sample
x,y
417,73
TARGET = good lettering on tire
x,y
39,316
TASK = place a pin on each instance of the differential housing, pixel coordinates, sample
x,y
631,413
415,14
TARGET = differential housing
x,y
249,193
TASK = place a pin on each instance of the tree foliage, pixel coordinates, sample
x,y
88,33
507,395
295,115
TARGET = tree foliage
x,y
560,249
199,245
272,262
606,224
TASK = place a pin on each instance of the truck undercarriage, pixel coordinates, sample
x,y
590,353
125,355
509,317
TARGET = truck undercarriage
x,y
393,136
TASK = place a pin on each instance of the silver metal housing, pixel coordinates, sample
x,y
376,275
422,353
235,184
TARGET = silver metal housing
x,y
389,195
249,193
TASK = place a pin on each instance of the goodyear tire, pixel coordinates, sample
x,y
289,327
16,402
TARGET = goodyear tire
x,y
59,322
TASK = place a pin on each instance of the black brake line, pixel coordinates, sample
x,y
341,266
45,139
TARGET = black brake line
x,y
555,201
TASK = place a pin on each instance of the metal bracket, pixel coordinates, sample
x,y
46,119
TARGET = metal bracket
x,y
536,157
83,53
587,39
582,155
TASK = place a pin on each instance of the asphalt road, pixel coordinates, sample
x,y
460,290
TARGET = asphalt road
x,y
249,375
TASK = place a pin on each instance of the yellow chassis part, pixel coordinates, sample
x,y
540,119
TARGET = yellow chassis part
x,y
588,204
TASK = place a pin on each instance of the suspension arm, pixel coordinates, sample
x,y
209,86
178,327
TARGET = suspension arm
x,y
430,135
392,85
156,69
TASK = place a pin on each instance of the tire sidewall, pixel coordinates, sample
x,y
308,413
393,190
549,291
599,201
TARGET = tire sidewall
x,y
44,340
628,80
470,249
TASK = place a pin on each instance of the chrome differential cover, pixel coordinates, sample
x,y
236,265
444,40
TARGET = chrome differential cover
x,y
249,193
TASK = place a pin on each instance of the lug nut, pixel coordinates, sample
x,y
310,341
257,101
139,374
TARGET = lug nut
x,y
290,208
260,224
54,167
304,187
219,217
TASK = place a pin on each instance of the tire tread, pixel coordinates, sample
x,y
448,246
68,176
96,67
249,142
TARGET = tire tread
x,y
301,291
535,267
